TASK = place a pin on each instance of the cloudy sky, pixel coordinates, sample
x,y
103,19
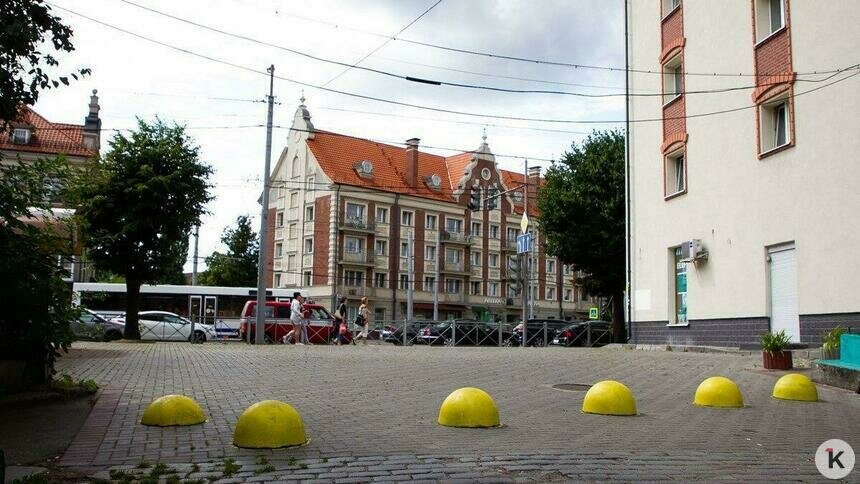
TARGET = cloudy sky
x,y
217,102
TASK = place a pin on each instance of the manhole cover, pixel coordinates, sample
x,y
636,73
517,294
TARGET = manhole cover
x,y
572,387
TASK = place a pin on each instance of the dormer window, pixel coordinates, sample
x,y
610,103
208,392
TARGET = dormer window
x,y
434,181
20,136
364,168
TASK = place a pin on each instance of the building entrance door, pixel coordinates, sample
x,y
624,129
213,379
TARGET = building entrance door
x,y
783,291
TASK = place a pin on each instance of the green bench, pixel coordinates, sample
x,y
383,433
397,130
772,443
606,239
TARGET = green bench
x,y
844,372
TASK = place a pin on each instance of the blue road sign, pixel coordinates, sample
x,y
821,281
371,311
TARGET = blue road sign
x,y
524,243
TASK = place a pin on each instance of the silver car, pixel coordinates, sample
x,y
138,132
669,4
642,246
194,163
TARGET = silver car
x,y
165,326
92,326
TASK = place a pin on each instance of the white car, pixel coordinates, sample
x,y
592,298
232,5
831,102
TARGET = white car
x,y
162,325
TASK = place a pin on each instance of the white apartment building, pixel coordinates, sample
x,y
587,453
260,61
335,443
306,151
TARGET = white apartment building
x,y
342,208
761,168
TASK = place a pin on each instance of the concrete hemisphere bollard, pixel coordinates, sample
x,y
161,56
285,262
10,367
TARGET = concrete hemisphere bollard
x,y
469,407
718,391
173,410
269,424
795,386
609,397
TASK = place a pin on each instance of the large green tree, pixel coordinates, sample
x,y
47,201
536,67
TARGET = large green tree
x,y
582,215
139,207
28,33
238,267
35,300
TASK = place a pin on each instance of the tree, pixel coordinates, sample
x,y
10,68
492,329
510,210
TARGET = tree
x,y
238,267
26,26
36,301
139,206
582,214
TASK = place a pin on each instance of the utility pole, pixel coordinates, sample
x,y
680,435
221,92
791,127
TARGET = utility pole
x,y
437,276
627,219
260,326
194,264
524,266
410,268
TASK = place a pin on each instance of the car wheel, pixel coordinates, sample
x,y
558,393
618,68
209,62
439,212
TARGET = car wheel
x,y
538,341
199,337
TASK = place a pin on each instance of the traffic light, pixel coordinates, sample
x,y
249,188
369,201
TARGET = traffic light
x,y
515,275
475,199
492,198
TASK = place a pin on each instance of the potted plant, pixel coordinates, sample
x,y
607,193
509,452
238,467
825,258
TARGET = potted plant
x,y
775,350
830,343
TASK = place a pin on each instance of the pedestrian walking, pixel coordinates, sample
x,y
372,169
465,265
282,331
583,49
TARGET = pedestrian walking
x,y
340,315
342,331
362,320
298,321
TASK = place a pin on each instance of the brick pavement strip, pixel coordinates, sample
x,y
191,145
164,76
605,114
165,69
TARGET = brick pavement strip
x,y
370,413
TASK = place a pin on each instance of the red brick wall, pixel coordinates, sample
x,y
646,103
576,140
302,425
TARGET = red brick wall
x,y
672,27
774,56
322,207
674,122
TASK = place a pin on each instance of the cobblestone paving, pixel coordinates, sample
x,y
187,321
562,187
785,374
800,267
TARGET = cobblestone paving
x,y
370,413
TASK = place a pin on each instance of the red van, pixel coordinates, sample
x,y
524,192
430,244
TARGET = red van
x,y
278,324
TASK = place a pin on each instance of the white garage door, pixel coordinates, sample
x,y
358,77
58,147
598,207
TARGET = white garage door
x,y
783,291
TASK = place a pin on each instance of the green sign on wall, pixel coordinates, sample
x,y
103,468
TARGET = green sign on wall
x,y
593,313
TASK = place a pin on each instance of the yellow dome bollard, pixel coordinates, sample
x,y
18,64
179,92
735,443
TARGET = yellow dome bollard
x,y
609,397
172,410
269,424
469,407
718,391
795,386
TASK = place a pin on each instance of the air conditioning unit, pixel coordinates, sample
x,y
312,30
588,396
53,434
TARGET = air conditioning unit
x,y
693,250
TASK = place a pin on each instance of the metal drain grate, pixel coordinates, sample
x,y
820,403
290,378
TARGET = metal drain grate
x,y
572,387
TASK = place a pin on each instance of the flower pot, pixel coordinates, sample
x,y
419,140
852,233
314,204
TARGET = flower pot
x,y
777,360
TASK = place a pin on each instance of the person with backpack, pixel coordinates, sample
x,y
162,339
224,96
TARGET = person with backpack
x,y
362,320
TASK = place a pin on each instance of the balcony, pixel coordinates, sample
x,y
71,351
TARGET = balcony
x,y
453,266
452,297
357,258
354,292
357,225
456,238
510,245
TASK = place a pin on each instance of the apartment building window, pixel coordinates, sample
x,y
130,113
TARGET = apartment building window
x,y
669,6
429,283
475,288
406,218
476,258
493,259
494,231
379,279
279,219
673,79
381,247
404,249
309,213
429,252
430,222
567,294
566,269
381,215
354,211
512,292
676,173
404,281
775,124
308,278
550,293
453,286
279,249
769,17
353,245
679,274
453,225
550,266
294,199
453,256
311,184
379,314
476,229
277,280
493,289
512,234
353,278
291,262
309,245
292,231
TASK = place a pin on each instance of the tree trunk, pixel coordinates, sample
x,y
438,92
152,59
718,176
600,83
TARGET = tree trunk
x,y
132,307
619,331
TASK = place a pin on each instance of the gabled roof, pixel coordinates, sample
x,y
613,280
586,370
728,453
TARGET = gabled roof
x,y
47,137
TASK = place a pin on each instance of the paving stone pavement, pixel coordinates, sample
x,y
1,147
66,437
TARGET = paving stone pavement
x,y
370,414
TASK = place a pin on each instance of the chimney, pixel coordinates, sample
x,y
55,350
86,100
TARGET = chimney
x,y
93,124
533,184
412,162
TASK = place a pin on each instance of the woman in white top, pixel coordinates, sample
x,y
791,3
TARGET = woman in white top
x,y
364,314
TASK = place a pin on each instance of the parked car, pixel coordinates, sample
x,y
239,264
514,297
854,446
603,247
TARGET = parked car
x,y
165,326
92,326
278,324
463,332
395,335
576,334
535,333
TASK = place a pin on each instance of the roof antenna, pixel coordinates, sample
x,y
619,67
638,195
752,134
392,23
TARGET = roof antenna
x,y
302,99
484,134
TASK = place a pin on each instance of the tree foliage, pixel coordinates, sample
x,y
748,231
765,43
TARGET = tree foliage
x,y
582,215
36,301
238,267
26,27
139,206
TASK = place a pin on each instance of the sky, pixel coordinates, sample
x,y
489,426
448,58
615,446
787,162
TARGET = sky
x,y
222,106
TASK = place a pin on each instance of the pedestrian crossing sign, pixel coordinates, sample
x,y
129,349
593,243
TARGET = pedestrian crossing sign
x,y
593,313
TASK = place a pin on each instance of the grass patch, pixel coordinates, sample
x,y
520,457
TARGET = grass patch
x,y
291,461
161,469
261,460
143,465
121,476
231,467
265,469
70,387
32,479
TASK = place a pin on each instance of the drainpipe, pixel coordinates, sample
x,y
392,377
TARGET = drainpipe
x,y
334,300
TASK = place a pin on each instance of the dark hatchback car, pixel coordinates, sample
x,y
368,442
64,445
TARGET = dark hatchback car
x,y
535,333
576,334
463,332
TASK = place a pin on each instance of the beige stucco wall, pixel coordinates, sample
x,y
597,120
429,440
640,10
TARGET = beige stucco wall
x,y
736,203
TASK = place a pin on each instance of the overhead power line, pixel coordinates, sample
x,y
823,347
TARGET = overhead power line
x,y
421,80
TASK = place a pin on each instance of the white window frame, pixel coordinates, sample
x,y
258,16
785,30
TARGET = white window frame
x,y
475,288
377,279
308,278
291,262
362,211
403,281
407,214
404,249
356,248
380,243
769,123
429,282
453,286
20,136
428,218
550,294
474,232
458,222
382,215
294,199
292,231
279,219
457,255
279,249
494,231
676,173
493,260
476,261
550,266
309,213
673,79
429,252
309,245
493,289
353,278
